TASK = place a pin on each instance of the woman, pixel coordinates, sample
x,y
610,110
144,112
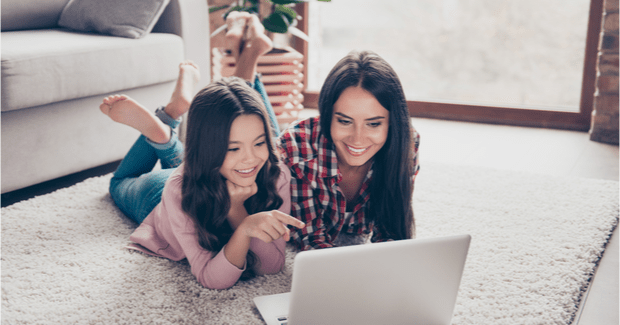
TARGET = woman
x,y
353,167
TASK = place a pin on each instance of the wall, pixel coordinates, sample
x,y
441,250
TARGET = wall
x,y
605,111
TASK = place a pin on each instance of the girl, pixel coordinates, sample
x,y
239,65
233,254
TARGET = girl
x,y
353,167
225,207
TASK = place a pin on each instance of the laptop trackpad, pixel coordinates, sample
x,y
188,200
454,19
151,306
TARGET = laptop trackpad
x,y
273,308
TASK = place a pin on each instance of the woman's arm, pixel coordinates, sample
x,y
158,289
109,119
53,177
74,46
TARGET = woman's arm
x,y
298,153
305,207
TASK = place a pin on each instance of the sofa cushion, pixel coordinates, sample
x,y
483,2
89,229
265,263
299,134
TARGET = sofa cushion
x,y
46,66
31,14
132,19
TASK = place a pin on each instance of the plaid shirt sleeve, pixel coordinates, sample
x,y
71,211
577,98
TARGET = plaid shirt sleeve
x,y
307,196
305,206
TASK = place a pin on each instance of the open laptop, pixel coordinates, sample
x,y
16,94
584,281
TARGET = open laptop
x,y
413,281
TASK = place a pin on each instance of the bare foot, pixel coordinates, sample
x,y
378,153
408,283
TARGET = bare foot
x,y
189,75
236,22
257,44
124,110
256,38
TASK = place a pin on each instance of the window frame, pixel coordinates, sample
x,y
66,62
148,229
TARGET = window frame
x,y
508,115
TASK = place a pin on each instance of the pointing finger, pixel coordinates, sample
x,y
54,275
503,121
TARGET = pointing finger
x,y
285,218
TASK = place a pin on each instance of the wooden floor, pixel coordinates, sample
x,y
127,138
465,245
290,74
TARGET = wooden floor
x,y
543,151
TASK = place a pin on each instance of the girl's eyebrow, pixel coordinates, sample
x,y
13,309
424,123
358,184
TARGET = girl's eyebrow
x,y
258,137
368,119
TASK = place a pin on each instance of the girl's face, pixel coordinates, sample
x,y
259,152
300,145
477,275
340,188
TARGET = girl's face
x,y
247,150
359,127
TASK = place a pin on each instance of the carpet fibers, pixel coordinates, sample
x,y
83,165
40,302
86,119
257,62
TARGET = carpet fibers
x,y
536,241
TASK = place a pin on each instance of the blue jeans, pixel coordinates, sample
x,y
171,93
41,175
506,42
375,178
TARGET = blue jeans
x,y
135,187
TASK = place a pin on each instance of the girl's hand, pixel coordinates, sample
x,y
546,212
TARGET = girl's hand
x,y
269,225
238,194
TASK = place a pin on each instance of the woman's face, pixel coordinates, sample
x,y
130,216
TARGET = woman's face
x,y
359,127
247,150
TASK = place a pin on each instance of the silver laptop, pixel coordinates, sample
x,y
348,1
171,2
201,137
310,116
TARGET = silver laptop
x,y
412,281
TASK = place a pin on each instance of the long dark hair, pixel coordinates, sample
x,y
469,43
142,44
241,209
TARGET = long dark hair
x,y
391,186
205,195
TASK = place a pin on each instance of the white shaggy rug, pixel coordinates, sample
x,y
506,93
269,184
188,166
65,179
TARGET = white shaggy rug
x,y
535,244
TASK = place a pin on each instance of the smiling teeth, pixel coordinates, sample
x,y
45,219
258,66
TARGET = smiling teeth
x,y
357,150
245,171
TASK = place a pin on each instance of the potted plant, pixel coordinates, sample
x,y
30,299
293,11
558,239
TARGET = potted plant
x,y
281,68
278,16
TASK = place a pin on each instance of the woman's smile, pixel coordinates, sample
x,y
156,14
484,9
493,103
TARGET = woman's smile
x,y
357,151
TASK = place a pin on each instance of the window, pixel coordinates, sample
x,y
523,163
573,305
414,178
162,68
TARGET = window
x,y
500,61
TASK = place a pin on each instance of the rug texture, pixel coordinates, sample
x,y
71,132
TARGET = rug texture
x,y
536,241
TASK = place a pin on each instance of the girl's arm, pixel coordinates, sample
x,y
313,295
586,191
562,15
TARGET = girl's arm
x,y
272,256
212,270
264,233
267,227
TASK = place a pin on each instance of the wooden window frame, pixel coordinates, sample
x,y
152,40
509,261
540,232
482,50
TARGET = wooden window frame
x,y
509,115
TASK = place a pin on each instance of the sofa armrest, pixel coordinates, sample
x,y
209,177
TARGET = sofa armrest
x,y
190,20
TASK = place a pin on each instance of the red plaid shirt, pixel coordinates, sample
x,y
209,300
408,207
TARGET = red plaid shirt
x,y
316,198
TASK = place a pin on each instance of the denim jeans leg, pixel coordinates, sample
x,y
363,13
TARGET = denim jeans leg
x,y
258,86
170,154
136,188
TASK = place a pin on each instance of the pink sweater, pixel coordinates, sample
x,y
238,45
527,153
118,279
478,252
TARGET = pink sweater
x,y
169,232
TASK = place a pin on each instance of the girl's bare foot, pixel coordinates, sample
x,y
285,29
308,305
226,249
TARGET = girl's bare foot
x,y
257,44
124,110
236,22
189,75
256,38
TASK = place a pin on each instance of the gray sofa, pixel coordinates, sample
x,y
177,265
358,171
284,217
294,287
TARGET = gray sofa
x,y
53,81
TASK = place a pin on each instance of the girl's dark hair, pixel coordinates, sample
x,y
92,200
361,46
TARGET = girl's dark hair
x,y
391,186
204,191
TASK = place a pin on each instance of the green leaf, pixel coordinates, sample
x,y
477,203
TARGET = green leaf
x,y
288,12
235,8
276,23
214,9
284,2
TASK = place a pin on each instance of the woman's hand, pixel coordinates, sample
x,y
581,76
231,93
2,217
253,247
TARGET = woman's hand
x,y
269,225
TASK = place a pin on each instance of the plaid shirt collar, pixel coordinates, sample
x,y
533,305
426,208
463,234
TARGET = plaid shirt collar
x,y
326,158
